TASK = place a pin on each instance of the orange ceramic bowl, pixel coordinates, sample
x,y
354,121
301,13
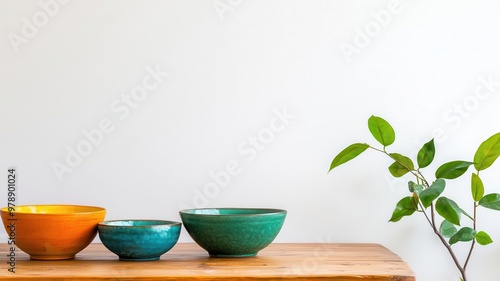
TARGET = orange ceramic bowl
x,y
52,232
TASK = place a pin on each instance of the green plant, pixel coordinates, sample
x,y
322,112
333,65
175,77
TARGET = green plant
x,y
425,196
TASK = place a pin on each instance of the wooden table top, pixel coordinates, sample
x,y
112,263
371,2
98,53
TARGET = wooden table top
x,y
187,261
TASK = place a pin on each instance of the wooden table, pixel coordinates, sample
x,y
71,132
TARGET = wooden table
x,y
340,262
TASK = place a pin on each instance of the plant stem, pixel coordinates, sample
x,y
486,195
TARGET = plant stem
x,y
448,246
473,241
414,172
432,220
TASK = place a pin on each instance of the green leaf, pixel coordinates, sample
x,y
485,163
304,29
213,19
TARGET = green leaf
x,y
477,187
405,207
464,234
449,210
401,166
430,194
381,130
397,170
447,229
453,169
419,188
349,153
426,154
411,186
415,188
487,152
491,201
483,238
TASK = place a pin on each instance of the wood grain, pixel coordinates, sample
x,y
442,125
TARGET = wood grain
x,y
186,261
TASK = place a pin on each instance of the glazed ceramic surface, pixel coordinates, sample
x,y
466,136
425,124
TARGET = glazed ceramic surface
x,y
52,232
233,232
139,240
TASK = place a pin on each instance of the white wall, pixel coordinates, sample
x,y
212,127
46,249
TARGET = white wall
x,y
229,71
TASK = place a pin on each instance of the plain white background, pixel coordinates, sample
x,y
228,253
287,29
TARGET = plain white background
x,y
274,89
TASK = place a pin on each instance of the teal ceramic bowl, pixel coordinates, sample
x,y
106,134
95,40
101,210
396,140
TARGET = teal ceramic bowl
x,y
139,240
233,232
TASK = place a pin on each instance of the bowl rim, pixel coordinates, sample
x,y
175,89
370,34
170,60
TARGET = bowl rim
x,y
267,212
161,224
96,209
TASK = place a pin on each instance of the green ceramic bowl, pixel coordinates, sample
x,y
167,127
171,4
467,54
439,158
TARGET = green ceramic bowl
x,y
139,240
233,232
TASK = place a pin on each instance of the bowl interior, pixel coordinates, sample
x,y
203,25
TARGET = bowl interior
x,y
231,211
138,223
55,209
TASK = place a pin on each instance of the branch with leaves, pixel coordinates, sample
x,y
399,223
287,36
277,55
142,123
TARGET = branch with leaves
x,y
425,196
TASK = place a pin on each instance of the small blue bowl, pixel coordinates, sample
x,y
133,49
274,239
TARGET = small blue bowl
x,y
139,240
